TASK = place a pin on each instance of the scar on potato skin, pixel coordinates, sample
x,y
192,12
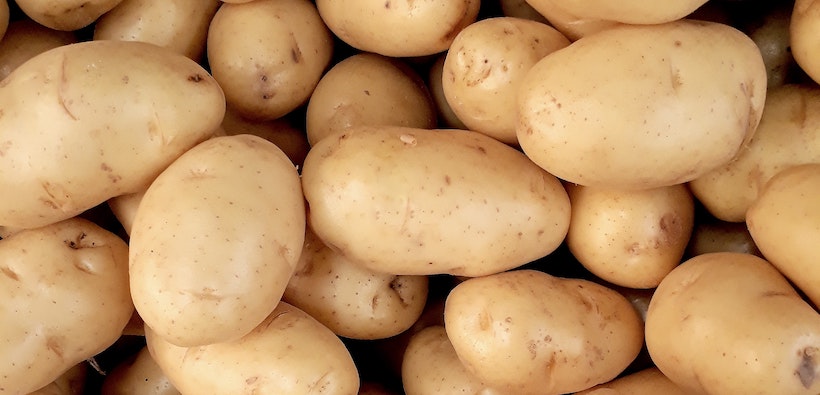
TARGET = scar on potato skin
x,y
60,89
53,345
9,273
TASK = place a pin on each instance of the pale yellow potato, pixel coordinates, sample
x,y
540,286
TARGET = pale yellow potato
x,y
431,366
398,28
124,207
418,202
638,107
288,353
88,121
179,25
25,39
485,66
66,15
785,224
268,55
720,236
788,135
572,26
803,25
72,382
63,299
353,301
446,117
292,140
138,375
368,89
730,323
215,240
527,332
649,381
630,238
630,11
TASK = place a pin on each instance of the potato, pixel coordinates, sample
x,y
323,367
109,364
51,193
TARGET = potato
x,y
431,201
649,381
179,25
124,207
431,366
85,122
572,26
803,25
288,353
631,12
350,300
25,39
292,140
788,135
446,117
720,236
527,332
139,374
396,28
680,98
4,17
66,15
72,382
772,37
63,299
520,9
485,66
368,89
630,238
730,323
785,224
215,240
268,55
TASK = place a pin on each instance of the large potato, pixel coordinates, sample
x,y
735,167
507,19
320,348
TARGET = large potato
x,y
414,201
215,240
63,299
66,14
680,98
25,39
85,122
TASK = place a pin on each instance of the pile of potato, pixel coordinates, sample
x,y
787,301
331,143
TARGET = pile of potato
x,y
409,197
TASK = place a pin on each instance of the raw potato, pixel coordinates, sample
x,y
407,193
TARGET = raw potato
x,y
630,238
215,240
73,136
72,382
484,68
139,375
281,131
64,299
350,300
520,9
368,89
527,332
268,55
785,224
788,135
572,26
680,98
804,22
772,37
67,15
179,25
630,11
446,117
432,201
649,381
4,17
398,28
124,207
721,236
730,323
25,39
288,353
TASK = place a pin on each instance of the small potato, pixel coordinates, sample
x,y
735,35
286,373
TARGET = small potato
x,y
431,201
572,26
680,98
630,238
215,240
290,139
446,117
720,236
398,28
179,25
353,301
288,353
268,55
63,299
484,67
138,375
630,11
124,207
25,39
67,15
368,89
72,382
803,25
527,332
648,381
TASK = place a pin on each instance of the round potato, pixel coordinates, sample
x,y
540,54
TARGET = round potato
x,y
720,236
139,374
124,208
803,25
649,381
432,201
446,117
67,15
680,98
25,39
215,240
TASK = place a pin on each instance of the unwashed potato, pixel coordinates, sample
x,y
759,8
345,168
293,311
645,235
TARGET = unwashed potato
x,y
67,15
88,121
288,353
680,98
803,25
25,39
630,11
649,381
215,240
72,382
64,298
138,375
290,139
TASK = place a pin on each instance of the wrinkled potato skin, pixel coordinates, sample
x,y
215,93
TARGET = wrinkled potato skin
x,y
762,338
527,332
788,135
138,375
25,39
648,381
67,15
215,240
288,353
57,282
804,22
56,109
432,201
607,98
72,382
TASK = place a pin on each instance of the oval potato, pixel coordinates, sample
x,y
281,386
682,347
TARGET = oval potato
x,y
67,15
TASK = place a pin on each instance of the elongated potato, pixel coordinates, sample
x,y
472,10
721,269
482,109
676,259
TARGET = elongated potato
x,y
432,201
139,374
215,240
66,15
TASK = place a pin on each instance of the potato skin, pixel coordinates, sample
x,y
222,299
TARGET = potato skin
x,y
431,201
71,382
803,25
631,11
649,381
67,15
138,375
25,39
215,240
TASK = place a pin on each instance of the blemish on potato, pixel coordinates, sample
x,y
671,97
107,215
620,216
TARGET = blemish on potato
x,y
53,345
408,139
195,78
10,273
806,370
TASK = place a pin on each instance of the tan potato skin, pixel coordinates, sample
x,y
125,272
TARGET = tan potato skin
x,y
572,26
431,201
648,381
446,117
25,39
804,22
288,353
138,375
67,15
72,382
215,240
730,323
292,140
785,224
631,11
4,17
57,282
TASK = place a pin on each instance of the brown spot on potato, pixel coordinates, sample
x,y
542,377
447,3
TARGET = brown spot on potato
x,y
53,345
677,43
374,303
79,242
674,76
251,380
485,320
10,273
196,78
447,180
206,294
806,370
4,147
387,4
771,294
